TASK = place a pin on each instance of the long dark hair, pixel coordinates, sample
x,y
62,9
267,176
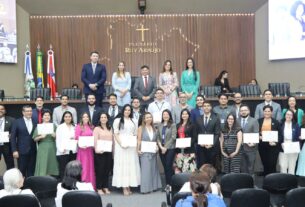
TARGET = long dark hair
x,y
188,123
72,174
107,123
295,115
226,127
170,121
171,68
200,184
293,118
194,68
121,115
221,74
63,117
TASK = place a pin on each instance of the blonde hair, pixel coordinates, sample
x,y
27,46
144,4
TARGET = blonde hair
x,y
12,179
118,72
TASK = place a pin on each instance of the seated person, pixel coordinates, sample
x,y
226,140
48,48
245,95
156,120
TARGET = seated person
x,y
223,82
13,182
71,181
200,184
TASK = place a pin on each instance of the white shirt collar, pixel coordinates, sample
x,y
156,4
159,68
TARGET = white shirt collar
x,y
268,103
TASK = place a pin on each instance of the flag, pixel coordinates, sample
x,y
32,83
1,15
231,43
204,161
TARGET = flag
x,y
51,72
39,67
28,74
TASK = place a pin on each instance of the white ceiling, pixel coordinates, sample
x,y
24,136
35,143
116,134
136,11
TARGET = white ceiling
x,y
78,7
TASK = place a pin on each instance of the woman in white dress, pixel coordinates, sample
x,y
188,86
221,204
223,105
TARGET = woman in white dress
x,y
121,83
126,169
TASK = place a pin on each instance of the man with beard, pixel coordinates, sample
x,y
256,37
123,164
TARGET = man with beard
x,y
92,109
237,103
198,111
176,111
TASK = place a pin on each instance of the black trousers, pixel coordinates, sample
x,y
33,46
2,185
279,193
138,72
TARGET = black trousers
x,y
205,156
26,164
269,156
63,161
167,160
8,155
103,166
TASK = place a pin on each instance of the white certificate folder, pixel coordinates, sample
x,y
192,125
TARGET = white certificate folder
x,y
150,147
251,138
270,136
86,141
183,142
206,139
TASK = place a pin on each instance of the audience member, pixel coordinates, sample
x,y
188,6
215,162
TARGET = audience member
x,y
59,110
223,82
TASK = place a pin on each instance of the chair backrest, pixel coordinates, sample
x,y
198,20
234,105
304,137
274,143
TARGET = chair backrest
x,y
250,197
295,198
133,80
42,186
235,181
73,93
280,183
21,200
179,196
2,95
250,90
108,90
178,181
211,91
44,92
81,199
280,89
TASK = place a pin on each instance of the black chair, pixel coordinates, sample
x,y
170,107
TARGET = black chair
x,y
295,198
1,184
82,199
44,187
278,184
211,91
280,89
108,90
250,197
73,93
235,181
21,200
250,90
44,92
133,80
179,196
178,181
2,95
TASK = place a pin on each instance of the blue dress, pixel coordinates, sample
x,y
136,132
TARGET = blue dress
x,y
213,201
301,163
119,83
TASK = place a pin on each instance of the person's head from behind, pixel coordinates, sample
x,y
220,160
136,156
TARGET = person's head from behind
x,y
200,184
72,174
12,180
210,171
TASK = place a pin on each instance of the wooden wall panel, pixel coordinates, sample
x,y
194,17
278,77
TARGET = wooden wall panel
x,y
216,42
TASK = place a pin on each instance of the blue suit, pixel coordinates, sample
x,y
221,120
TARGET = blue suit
x,y
22,142
99,78
96,114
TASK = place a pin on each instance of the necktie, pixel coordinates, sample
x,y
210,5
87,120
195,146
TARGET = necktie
x,y
243,123
206,121
113,111
145,82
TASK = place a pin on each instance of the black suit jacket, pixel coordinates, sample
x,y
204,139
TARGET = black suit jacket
x,y
189,132
96,114
213,127
275,126
21,140
8,124
111,119
35,114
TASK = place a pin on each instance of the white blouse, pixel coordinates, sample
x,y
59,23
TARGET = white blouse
x,y
63,134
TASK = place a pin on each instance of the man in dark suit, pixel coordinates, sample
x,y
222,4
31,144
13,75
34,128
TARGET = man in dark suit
x,y
22,143
37,112
93,110
208,123
94,76
6,123
113,109
145,87
248,125
198,111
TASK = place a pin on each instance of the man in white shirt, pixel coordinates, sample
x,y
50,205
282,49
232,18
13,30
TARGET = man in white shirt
x,y
176,111
137,112
158,106
59,110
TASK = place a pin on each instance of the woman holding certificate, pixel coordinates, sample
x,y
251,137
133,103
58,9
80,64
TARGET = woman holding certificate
x,y
268,150
126,169
103,155
147,149
185,158
44,135
166,139
65,142
84,135
297,112
290,132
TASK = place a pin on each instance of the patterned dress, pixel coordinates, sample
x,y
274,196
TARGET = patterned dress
x,y
169,83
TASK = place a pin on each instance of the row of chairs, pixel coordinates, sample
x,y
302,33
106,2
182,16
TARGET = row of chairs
x,y
238,190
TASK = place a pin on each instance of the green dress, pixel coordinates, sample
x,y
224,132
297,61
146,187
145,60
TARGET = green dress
x,y
46,162
188,85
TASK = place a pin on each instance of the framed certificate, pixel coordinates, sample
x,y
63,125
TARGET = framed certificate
x,y
129,141
86,141
104,145
4,137
270,136
148,147
251,138
302,133
70,144
157,116
47,128
291,147
183,142
206,139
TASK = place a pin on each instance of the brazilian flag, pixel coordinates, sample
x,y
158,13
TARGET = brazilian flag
x,y
39,68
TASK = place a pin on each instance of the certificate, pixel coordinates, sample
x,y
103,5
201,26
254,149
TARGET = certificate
x,y
291,147
149,147
104,145
302,133
206,139
270,136
86,141
183,142
251,138
47,128
70,144
4,137
129,141
157,116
